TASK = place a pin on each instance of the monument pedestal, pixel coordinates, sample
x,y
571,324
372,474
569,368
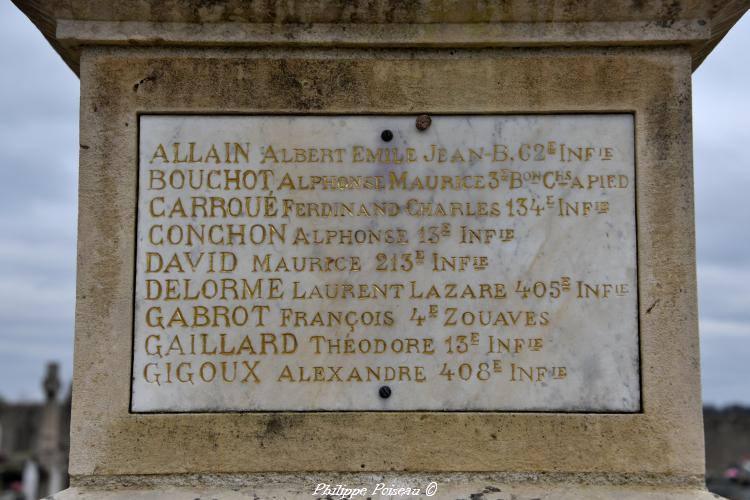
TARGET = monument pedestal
x,y
323,242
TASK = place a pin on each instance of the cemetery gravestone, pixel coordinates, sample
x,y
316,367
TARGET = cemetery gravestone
x,y
445,247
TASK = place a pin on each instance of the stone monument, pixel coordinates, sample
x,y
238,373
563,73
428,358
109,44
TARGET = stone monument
x,y
380,248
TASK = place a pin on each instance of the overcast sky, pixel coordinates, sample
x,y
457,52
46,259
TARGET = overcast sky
x,y
721,135
38,177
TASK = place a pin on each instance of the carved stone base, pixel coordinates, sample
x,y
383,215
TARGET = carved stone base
x,y
475,486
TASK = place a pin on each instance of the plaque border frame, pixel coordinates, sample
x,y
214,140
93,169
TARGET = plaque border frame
x,y
208,113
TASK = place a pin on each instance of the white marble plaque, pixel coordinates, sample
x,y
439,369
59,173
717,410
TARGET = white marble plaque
x,y
487,263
